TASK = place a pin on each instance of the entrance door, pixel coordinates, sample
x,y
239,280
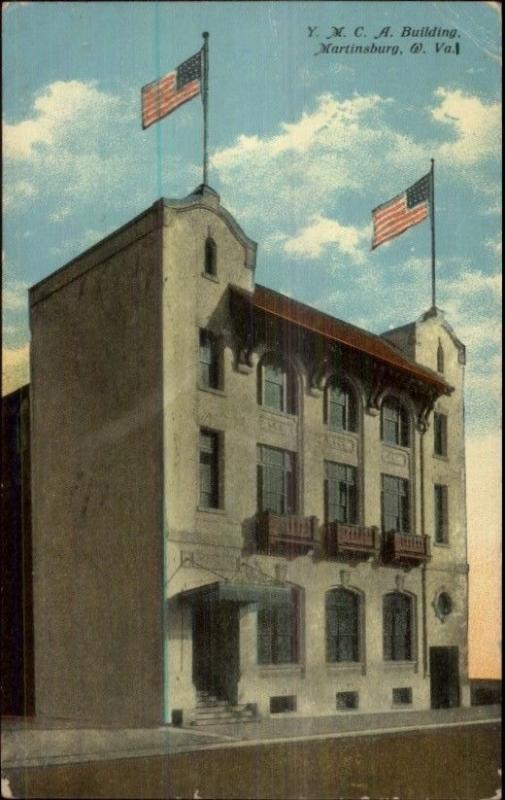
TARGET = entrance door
x,y
444,672
216,653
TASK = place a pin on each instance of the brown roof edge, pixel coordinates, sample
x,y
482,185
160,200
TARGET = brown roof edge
x,y
337,330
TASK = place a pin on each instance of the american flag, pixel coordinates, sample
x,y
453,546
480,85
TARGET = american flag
x,y
163,96
403,211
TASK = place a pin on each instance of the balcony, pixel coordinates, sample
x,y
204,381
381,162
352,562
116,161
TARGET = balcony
x,y
281,533
351,541
405,549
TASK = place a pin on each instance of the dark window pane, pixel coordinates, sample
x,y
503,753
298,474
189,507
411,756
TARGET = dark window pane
x,y
276,480
440,434
210,257
342,625
277,632
209,375
341,408
397,627
395,504
209,483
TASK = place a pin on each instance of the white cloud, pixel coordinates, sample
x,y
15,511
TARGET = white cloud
x,y
15,367
60,214
312,240
15,296
74,143
59,109
475,127
16,192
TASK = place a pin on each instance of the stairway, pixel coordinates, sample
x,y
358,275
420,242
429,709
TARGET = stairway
x,y
211,711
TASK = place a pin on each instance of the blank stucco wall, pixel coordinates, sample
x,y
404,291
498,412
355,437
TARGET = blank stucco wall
x,y
97,478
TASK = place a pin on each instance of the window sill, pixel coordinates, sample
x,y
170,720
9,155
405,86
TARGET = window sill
x,y
211,390
441,544
283,414
401,447
282,669
345,666
218,511
210,277
441,457
400,664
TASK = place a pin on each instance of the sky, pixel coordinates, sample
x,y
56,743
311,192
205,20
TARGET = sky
x,y
304,140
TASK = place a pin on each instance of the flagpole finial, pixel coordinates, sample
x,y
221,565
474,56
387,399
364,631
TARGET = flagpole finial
x,y
205,35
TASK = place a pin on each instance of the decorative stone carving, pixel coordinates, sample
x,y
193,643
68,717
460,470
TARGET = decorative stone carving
x,y
345,577
274,423
346,444
395,457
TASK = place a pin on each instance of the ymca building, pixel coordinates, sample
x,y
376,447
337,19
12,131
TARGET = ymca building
x,y
241,506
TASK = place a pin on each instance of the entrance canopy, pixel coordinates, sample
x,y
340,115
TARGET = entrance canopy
x,y
223,591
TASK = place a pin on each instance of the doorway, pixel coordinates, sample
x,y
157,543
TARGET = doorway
x,y
216,649
444,673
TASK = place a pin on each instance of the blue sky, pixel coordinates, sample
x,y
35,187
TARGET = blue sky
x,y
302,147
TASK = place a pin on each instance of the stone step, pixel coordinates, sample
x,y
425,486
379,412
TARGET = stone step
x,y
220,721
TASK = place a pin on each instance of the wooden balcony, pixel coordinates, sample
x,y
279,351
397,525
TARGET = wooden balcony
x,y
285,533
405,549
351,541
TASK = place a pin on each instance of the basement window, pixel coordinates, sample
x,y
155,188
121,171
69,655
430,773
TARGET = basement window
x,y
279,705
347,701
402,697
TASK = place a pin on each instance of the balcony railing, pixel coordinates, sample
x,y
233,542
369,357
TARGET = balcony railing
x,y
405,548
285,532
355,541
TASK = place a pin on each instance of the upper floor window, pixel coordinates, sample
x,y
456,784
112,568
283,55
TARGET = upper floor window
x,y
440,357
441,514
340,407
395,504
209,360
440,434
397,627
276,385
342,625
209,469
278,631
276,480
210,257
340,493
394,423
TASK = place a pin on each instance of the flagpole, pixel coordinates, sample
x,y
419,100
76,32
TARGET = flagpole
x,y
205,94
432,218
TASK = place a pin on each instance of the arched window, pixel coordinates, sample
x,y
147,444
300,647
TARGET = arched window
x,y
395,428
210,261
440,357
278,629
276,385
398,627
342,625
340,407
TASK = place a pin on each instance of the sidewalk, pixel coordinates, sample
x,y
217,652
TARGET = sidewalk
x,y
31,743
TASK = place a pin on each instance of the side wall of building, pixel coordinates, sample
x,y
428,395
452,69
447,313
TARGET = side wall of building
x,y
97,478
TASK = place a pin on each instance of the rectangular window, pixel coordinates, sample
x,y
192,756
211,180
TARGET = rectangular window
x,y
283,703
395,504
274,387
276,480
278,631
441,514
440,434
402,697
209,360
340,493
209,469
347,700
